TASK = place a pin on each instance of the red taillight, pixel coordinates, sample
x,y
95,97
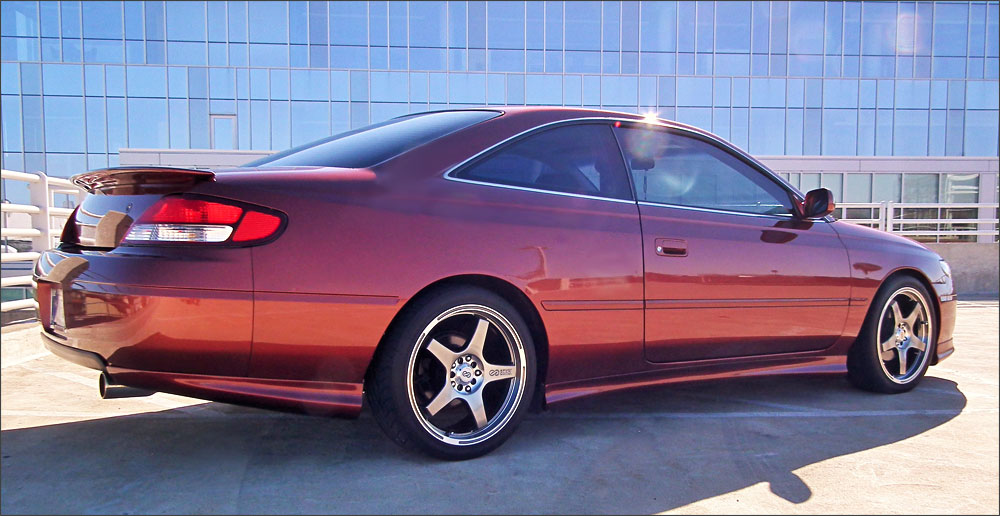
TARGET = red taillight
x,y
185,220
190,211
256,226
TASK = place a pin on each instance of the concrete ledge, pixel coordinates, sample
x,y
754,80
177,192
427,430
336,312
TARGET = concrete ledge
x,y
20,342
189,157
974,266
880,164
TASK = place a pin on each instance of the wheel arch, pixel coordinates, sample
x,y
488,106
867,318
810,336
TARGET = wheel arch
x,y
511,293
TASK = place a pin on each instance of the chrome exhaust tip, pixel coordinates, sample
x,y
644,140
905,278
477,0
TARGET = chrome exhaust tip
x,y
110,390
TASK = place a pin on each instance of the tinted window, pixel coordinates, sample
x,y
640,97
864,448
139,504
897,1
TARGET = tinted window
x,y
670,168
375,143
578,159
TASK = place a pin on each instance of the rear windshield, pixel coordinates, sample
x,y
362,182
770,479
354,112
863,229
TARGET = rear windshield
x,y
373,144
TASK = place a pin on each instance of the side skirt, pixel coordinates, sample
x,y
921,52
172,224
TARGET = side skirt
x,y
314,398
703,370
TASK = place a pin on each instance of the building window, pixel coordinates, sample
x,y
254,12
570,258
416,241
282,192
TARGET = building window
x,y
224,132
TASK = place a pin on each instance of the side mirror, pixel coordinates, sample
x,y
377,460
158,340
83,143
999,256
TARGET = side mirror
x,y
818,204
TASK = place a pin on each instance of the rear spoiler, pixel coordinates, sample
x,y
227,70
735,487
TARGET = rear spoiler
x,y
136,180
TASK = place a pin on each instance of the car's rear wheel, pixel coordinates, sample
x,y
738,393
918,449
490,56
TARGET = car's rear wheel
x,y
894,348
456,375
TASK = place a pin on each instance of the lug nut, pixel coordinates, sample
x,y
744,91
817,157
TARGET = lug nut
x,y
473,364
478,372
468,358
473,381
468,389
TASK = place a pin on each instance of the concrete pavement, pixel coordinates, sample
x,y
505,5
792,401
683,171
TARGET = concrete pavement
x,y
793,445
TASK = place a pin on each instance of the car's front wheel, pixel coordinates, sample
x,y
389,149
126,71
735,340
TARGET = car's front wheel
x,y
894,347
456,375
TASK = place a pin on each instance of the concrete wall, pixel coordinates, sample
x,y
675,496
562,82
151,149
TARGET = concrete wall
x,y
974,267
199,158
985,167
882,164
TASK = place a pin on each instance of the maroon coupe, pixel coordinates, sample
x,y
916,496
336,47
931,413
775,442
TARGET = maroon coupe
x,y
453,267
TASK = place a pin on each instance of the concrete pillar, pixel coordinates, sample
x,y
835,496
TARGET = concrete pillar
x,y
41,197
987,195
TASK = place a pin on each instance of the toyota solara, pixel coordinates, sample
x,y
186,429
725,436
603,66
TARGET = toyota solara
x,y
456,269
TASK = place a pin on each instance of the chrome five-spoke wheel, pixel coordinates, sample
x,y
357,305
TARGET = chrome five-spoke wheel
x,y
455,374
897,341
466,375
904,334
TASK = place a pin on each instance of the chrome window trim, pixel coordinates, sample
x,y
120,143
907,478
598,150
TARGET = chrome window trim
x,y
448,175
778,216
757,165
536,190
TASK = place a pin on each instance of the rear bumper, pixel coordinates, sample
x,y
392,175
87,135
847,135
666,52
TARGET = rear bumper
x,y
75,355
147,312
317,398
177,333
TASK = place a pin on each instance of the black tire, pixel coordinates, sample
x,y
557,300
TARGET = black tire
x,y
871,368
406,374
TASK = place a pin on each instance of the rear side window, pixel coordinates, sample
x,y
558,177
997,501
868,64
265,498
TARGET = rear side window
x,y
371,145
577,159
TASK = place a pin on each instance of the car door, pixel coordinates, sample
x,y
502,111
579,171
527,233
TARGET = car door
x,y
729,269
561,212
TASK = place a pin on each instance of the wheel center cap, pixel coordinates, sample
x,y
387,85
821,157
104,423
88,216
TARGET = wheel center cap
x,y
466,374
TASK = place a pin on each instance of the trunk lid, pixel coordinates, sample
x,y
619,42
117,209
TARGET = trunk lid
x,y
120,195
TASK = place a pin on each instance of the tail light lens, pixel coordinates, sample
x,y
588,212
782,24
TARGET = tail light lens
x,y
191,211
256,226
187,220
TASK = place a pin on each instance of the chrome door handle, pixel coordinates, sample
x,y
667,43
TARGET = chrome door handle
x,y
671,247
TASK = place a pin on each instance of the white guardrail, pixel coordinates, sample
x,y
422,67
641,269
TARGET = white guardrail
x,y
909,219
46,225
893,217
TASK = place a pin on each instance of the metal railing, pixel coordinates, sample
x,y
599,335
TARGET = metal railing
x,y
45,227
925,221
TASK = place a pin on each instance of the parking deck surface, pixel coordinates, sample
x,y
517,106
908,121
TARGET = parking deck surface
x,y
777,444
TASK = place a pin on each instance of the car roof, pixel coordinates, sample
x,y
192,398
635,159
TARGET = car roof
x,y
541,115
558,113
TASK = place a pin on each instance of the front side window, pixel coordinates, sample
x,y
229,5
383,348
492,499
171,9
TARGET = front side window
x,y
578,159
670,168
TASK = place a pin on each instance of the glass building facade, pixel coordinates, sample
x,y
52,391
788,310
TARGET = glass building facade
x,y
81,80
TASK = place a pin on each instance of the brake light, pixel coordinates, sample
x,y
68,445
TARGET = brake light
x,y
256,226
178,219
191,211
